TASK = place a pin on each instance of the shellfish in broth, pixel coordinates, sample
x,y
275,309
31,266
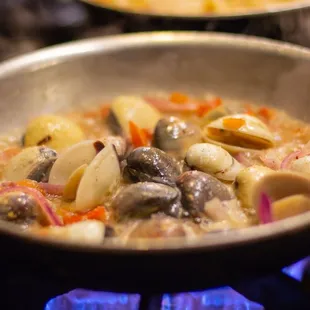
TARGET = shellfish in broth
x,y
161,166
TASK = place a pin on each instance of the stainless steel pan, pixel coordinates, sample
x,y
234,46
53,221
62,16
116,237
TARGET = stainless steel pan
x,y
282,8
86,72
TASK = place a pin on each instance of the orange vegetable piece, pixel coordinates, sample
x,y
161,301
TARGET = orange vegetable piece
x,y
10,152
249,110
207,106
91,114
104,111
138,136
179,98
203,109
266,113
233,123
148,134
100,213
31,184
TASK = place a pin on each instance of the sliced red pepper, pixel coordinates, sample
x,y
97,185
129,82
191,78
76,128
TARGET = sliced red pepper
x,y
266,113
100,213
207,106
179,98
138,136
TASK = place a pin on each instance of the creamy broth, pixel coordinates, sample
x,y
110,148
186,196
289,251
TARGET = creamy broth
x,y
156,166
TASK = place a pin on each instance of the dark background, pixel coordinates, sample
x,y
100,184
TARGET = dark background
x,y
26,25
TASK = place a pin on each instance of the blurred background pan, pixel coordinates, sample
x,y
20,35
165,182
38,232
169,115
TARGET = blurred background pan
x,y
272,9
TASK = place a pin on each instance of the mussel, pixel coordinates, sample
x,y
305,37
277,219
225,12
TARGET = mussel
x,y
239,133
130,108
214,160
175,136
198,188
149,164
32,163
142,199
25,206
53,131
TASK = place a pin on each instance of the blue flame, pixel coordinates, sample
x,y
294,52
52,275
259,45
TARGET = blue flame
x,y
223,298
296,271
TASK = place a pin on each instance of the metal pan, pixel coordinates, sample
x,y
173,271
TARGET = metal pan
x,y
276,9
238,67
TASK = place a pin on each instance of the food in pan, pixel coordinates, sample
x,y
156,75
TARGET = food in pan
x,y
157,166
193,7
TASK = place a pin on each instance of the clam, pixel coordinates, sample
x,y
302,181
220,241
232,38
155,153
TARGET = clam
x,y
175,136
99,179
70,189
32,163
119,143
239,133
80,154
214,160
198,188
149,164
245,181
53,131
142,199
130,108
71,159
289,193
214,114
90,232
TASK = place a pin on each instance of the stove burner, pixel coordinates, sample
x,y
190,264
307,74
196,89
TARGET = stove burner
x,y
220,298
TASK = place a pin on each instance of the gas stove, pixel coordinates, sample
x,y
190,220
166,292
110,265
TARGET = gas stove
x,y
27,25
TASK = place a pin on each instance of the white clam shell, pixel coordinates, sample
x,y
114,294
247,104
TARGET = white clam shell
x,y
135,109
214,160
289,192
90,231
74,157
30,158
99,180
253,129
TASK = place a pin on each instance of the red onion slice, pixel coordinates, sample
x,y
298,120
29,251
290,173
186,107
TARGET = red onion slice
x,y
46,209
52,189
243,159
289,158
265,209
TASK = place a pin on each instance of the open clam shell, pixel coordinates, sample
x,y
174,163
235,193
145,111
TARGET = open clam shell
x,y
288,191
239,133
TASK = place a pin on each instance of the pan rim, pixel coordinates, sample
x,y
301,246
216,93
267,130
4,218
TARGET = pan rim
x,y
53,55
274,10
